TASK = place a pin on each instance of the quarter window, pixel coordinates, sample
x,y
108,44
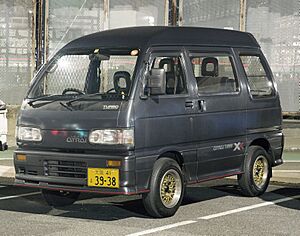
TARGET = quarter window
x,y
259,83
175,80
214,74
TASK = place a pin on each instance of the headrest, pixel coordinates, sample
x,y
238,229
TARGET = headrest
x,y
167,61
209,67
117,79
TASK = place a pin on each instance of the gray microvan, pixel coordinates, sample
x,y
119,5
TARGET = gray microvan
x,y
149,110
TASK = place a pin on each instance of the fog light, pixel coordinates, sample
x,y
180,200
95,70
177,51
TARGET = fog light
x,y
113,163
21,157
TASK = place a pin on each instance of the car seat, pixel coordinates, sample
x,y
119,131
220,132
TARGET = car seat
x,y
118,76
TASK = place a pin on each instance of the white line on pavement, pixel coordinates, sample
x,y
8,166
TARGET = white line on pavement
x,y
182,223
2,186
291,161
6,158
158,229
286,171
247,208
20,195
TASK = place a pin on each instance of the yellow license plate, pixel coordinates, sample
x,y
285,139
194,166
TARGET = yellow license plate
x,y
103,177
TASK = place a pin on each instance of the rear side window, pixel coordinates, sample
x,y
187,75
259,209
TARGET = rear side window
x,y
214,74
259,82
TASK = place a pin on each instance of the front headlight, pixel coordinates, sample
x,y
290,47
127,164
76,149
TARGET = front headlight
x,y
29,134
112,136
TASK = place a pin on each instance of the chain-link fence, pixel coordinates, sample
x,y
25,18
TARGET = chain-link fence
x,y
71,19
15,49
276,25
124,13
223,14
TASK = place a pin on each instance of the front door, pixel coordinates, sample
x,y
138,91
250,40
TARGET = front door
x,y
163,121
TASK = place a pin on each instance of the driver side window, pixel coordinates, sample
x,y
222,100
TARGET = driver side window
x,y
175,79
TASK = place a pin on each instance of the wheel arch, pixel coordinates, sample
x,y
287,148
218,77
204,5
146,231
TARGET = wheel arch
x,y
262,142
175,155
265,144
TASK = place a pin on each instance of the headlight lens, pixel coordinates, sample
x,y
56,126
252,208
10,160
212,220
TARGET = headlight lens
x,y
29,134
112,136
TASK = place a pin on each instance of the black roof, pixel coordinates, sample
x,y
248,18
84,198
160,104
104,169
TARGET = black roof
x,y
141,37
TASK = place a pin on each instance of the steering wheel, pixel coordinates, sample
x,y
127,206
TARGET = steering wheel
x,y
108,91
67,90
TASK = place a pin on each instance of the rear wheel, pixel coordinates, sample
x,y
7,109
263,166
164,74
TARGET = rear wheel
x,y
59,198
166,189
257,172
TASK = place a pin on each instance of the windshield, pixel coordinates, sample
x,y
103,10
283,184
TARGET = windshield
x,y
85,75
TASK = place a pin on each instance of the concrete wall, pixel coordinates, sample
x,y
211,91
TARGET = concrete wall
x,y
292,139
12,112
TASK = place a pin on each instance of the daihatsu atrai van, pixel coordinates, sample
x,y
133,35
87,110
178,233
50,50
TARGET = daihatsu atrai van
x,y
148,110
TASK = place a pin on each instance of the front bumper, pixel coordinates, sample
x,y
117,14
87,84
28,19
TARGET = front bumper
x,y
72,172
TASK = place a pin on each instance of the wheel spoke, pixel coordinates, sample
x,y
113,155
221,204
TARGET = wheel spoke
x,y
260,171
170,188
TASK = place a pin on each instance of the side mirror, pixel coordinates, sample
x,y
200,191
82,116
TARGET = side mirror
x,y
157,81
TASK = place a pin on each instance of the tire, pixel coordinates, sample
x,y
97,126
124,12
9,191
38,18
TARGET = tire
x,y
166,189
3,147
59,198
257,172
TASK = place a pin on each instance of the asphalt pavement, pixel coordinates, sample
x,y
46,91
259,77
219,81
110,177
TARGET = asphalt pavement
x,y
213,208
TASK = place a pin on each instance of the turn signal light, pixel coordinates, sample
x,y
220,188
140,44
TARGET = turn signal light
x,y
113,163
21,157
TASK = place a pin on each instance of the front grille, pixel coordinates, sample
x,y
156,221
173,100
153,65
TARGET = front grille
x,y
73,169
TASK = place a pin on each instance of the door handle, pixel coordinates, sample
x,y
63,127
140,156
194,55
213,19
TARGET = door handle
x,y
189,104
202,105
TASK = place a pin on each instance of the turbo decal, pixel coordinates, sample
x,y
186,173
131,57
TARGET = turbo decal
x,y
239,146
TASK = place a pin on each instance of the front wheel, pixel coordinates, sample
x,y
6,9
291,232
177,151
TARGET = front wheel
x,y
166,189
59,198
257,172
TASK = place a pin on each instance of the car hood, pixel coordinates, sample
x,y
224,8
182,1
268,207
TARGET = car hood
x,y
69,129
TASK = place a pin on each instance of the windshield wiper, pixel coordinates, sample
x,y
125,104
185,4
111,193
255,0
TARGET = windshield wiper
x,y
47,101
67,106
69,103
30,103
